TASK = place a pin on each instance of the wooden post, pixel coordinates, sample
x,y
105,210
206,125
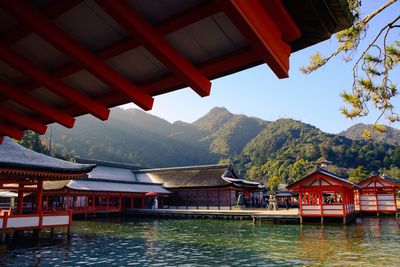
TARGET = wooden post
x,y
67,202
39,196
219,206
20,203
47,202
197,198
107,201
69,223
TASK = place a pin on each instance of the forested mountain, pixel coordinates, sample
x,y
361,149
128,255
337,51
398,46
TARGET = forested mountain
x,y
355,132
283,150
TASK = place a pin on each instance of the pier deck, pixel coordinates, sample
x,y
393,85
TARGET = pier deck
x,y
241,214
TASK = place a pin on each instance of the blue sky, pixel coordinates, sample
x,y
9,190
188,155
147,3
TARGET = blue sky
x,y
313,98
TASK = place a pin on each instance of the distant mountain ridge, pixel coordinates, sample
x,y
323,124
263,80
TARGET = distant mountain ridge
x,y
355,132
259,149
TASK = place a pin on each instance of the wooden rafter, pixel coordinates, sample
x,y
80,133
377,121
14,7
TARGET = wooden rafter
x,y
34,71
22,120
175,23
54,10
289,29
57,37
168,83
261,31
36,105
11,131
153,41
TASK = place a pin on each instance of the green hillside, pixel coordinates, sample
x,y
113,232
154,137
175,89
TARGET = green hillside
x,y
284,150
355,132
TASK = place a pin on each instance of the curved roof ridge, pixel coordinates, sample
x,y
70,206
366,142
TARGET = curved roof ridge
x,y
195,167
112,164
13,155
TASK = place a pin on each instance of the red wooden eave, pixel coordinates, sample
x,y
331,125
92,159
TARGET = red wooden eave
x,y
261,31
21,63
62,41
266,25
143,31
54,10
11,131
34,104
177,22
22,120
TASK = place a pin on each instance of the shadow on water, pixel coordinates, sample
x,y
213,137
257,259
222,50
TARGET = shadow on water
x,y
143,242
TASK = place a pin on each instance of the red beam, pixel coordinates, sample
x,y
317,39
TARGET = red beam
x,y
54,10
22,120
80,54
36,105
261,32
175,23
13,58
214,68
1,139
133,22
283,20
11,131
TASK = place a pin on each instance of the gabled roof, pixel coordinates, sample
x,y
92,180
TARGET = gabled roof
x,y
16,157
388,180
330,175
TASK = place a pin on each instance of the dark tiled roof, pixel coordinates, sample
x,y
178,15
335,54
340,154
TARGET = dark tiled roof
x,y
109,164
194,176
13,155
201,176
102,185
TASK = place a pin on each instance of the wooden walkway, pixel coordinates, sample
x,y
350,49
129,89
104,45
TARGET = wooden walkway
x,y
244,214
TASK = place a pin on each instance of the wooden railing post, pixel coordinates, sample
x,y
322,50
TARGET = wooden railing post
x,y
40,219
5,220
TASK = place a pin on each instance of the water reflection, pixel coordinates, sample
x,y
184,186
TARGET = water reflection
x,y
368,242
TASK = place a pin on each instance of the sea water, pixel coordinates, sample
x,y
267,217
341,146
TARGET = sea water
x,y
170,242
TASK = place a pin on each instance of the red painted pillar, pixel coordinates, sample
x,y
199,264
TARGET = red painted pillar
x,y
20,203
39,196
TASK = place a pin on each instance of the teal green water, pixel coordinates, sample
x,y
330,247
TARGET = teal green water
x,y
368,242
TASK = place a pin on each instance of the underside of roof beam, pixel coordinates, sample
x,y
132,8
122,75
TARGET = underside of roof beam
x,y
236,60
36,105
152,40
287,26
54,35
172,24
54,10
261,32
22,120
35,72
11,131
